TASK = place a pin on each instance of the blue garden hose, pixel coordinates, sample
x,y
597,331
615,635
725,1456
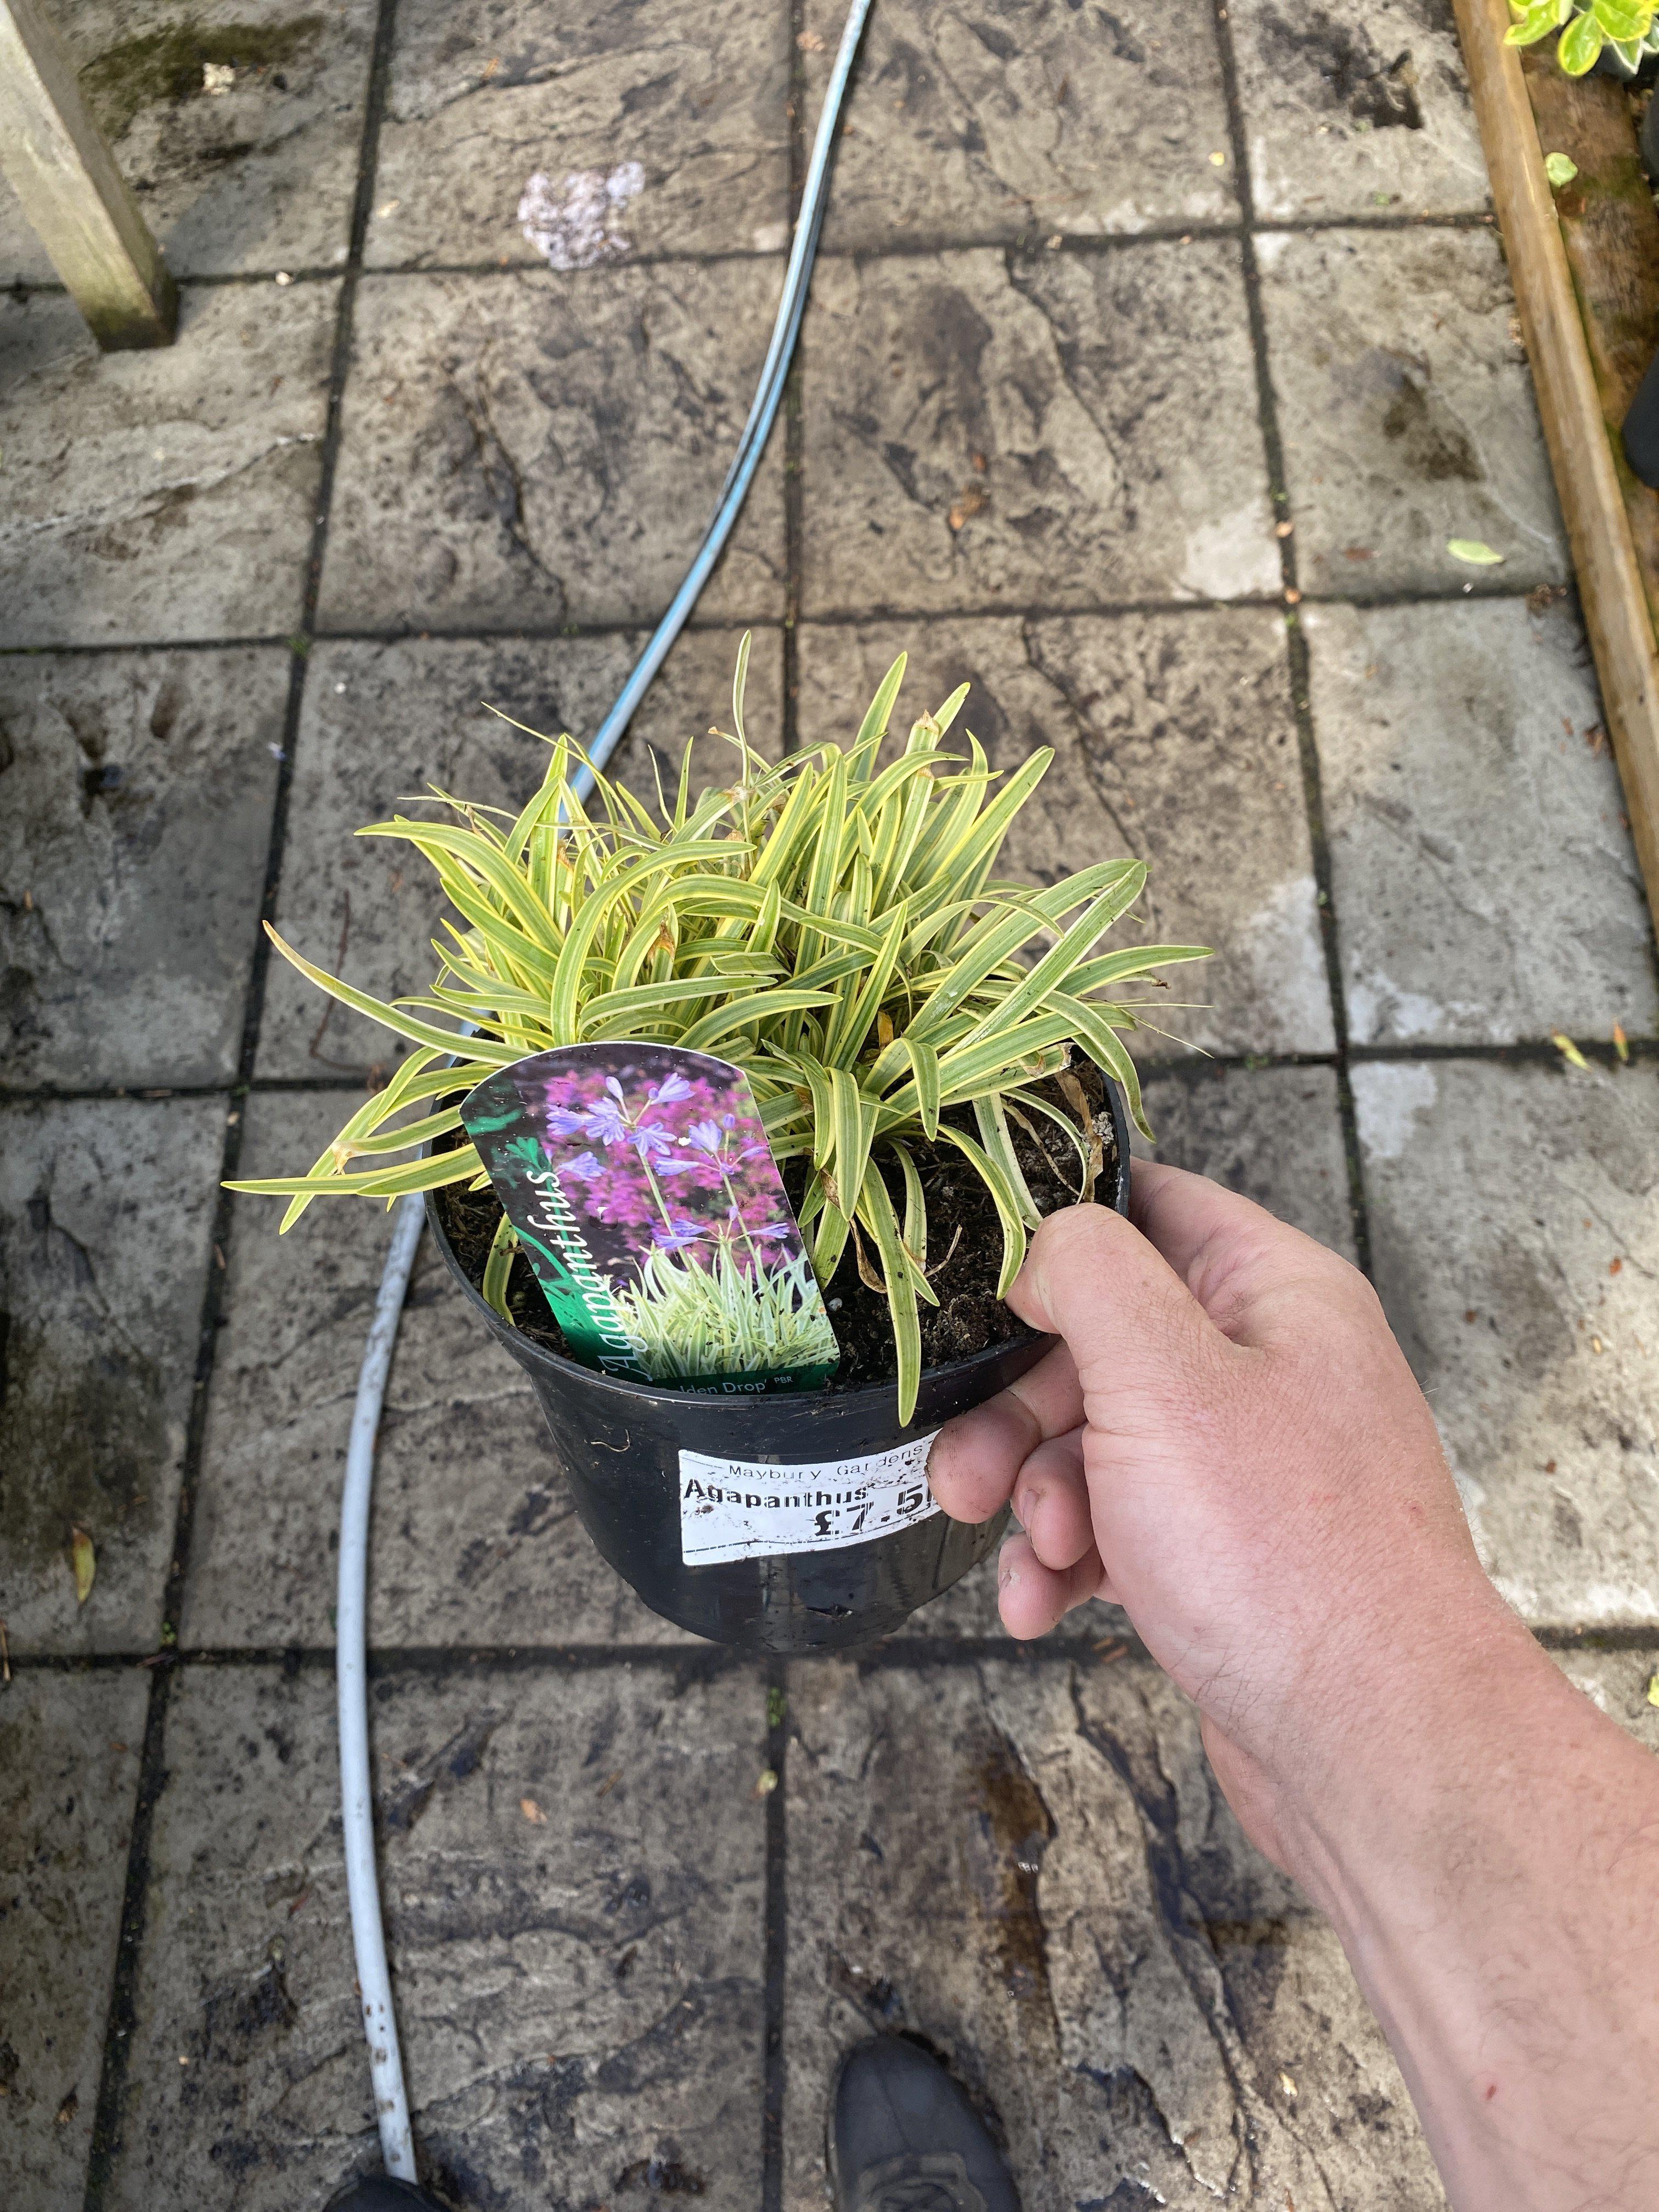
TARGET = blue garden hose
x,y
362,1886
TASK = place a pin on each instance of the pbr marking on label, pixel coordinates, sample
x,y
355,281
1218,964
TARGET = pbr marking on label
x,y
743,1509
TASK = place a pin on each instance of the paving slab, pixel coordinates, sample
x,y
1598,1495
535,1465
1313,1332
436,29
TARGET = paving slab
x,y
106,1212
1152,2013
486,98
1514,1232
151,496
136,798
1484,883
1063,430
533,450
382,722
238,127
977,123
1617,1681
69,1779
1143,711
1347,116
1274,1133
1407,410
475,1540
572,1871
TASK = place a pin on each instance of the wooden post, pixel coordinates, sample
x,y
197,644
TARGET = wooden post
x,y
79,204
1604,553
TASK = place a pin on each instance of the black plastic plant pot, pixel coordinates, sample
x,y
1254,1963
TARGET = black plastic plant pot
x,y
747,1519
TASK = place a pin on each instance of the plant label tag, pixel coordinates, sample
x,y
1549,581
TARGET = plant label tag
x,y
646,1199
741,1509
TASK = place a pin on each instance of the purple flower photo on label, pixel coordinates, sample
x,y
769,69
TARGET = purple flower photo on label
x,y
641,1186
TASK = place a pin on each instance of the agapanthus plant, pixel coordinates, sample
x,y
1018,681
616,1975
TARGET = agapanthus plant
x,y
832,924
725,1315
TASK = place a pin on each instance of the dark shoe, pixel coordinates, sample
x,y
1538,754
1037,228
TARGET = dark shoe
x,y
903,2137
379,2192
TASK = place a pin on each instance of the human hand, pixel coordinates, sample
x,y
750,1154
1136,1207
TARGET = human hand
x,y
1229,1444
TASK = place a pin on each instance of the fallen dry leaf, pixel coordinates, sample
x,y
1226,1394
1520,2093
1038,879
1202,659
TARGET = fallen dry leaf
x,y
533,1812
1568,1050
84,1560
1620,1041
1653,1691
768,1783
810,43
969,502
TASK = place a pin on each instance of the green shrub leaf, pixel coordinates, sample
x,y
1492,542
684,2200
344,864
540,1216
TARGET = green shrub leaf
x,y
1580,46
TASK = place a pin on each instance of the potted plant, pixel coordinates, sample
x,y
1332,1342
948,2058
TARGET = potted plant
x,y
937,1060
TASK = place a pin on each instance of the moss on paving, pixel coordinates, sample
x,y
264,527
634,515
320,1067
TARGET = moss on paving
x,y
166,64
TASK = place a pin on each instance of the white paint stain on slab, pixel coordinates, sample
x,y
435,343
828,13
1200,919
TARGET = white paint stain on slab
x,y
577,224
1382,1011
1387,1102
1278,945
1231,554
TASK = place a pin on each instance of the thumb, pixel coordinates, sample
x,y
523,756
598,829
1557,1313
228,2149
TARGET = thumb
x,y
1126,1317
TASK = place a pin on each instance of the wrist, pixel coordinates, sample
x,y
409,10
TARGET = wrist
x,y
1484,1855
1412,1716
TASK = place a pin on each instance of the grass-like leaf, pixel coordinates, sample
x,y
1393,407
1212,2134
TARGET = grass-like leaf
x,y
833,922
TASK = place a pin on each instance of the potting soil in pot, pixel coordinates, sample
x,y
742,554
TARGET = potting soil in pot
x,y
965,1253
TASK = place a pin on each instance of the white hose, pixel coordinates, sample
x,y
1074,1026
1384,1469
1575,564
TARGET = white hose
x,y
356,1788
356,1794
762,411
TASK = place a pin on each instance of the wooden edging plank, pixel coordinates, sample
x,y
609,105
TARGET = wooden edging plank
x,y
1587,479
1610,229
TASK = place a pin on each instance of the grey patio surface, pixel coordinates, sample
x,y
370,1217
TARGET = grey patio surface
x,y
1153,358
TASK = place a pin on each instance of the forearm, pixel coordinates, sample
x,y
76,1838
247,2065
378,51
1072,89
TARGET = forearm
x,y
1231,1445
1488,1855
